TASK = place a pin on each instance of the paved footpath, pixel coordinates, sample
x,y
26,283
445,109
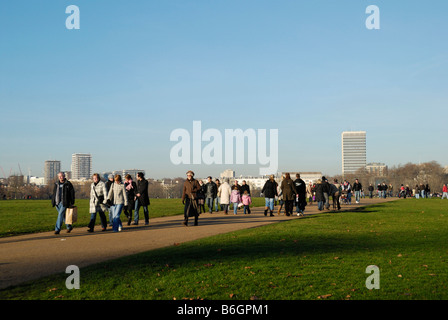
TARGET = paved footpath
x,y
29,257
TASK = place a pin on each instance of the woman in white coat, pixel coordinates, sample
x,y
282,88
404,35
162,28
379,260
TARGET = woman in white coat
x,y
98,195
118,199
224,192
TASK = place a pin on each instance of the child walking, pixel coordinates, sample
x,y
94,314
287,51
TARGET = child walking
x,y
247,201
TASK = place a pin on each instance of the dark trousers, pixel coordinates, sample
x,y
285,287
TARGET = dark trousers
x,y
187,207
289,205
93,219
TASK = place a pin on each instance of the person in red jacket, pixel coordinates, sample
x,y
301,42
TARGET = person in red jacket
x,y
444,191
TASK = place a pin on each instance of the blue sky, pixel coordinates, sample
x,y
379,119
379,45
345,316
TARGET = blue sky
x,y
137,70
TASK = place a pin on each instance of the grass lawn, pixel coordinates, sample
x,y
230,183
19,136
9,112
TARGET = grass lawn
x,y
323,256
30,216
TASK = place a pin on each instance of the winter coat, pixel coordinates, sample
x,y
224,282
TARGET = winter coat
x,y
68,194
300,186
97,191
142,189
130,194
288,189
191,187
246,199
270,189
358,186
245,187
224,192
320,192
235,196
211,190
117,194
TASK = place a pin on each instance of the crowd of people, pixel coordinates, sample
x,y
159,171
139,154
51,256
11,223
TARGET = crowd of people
x,y
116,196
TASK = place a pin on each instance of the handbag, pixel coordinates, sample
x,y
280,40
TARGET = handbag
x,y
100,198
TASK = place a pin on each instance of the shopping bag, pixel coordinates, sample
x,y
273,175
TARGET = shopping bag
x,y
71,215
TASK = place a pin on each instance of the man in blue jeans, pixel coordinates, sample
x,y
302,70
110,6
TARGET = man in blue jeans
x,y
63,198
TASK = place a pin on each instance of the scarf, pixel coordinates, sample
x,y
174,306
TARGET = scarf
x,y
129,186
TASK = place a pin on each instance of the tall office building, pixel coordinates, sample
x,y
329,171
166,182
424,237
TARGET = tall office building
x,y
353,151
51,169
81,166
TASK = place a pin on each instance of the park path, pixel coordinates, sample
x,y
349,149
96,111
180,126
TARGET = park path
x,y
32,256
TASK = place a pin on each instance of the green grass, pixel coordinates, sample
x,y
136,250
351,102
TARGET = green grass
x,y
319,257
31,216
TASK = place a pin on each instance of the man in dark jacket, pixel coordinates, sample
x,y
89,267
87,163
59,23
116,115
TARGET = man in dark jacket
x,y
270,192
211,191
63,198
326,192
301,195
142,198
357,187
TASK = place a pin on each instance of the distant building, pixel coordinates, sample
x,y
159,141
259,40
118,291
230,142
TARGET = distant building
x,y
353,151
81,166
379,169
132,172
51,169
227,174
306,176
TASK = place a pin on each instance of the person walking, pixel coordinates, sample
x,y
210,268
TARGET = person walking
x,y
300,187
117,199
247,201
224,192
211,190
309,192
417,192
98,194
427,191
131,188
444,191
270,192
289,192
370,188
335,192
326,191
422,190
279,198
244,187
217,200
200,196
63,198
235,197
189,198
110,180
320,199
142,198
357,187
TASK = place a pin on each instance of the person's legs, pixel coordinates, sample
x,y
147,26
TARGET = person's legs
x,y
136,211
92,222
103,219
235,207
61,217
117,225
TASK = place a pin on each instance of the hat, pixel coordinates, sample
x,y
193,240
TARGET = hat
x,y
189,171
111,176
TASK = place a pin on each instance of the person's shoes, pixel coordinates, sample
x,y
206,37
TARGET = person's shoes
x,y
146,223
103,229
185,224
119,229
56,232
129,222
69,229
135,223
89,230
265,212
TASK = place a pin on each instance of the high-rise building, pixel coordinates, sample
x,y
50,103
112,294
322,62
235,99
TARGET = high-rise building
x,y
51,169
353,151
81,166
